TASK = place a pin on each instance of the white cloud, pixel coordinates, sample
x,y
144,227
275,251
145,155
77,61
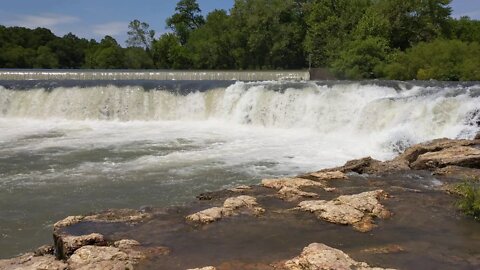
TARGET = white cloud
x,y
111,28
47,20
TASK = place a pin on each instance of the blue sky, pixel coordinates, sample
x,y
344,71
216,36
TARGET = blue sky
x,y
97,18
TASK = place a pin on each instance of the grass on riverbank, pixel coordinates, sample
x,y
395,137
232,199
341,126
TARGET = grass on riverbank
x,y
469,201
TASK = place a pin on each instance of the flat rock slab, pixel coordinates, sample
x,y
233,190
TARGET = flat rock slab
x,y
462,156
319,256
356,210
289,189
231,206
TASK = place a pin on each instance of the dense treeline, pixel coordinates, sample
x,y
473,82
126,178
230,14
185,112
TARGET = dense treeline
x,y
356,39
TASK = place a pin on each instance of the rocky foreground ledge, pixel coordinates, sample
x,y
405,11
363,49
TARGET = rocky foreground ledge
x,y
393,215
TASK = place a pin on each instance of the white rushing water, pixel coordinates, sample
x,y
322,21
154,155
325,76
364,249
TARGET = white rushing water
x,y
82,149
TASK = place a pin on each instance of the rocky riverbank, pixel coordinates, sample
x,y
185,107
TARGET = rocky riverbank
x,y
393,214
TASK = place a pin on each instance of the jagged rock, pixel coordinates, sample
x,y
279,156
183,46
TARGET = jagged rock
x,y
95,257
293,194
44,250
290,182
356,210
462,156
240,201
289,188
412,153
67,244
30,261
112,215
329,175
230,207
68,221
240,189
207,215
204,268
319,256
429,155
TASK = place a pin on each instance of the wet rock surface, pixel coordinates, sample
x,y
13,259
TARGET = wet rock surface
x,y
356,210
290,189
321,256
261,227
230,207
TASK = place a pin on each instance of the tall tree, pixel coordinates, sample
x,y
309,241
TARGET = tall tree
x,y
140,35
186,19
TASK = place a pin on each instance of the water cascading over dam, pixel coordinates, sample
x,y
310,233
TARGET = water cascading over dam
x,y
81,146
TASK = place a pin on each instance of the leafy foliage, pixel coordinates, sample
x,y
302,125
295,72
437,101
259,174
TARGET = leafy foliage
x,y
469,201
356,39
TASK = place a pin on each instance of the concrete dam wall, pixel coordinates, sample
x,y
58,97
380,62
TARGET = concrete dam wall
x,y
271,75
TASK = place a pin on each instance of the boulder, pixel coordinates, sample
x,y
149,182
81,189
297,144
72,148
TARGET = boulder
x,y
320,256
328,175
207,215
230,207
462,156
95,257
67,244
356,210
30,261
290,188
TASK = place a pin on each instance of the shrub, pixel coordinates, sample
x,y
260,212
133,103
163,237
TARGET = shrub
x,y
469,201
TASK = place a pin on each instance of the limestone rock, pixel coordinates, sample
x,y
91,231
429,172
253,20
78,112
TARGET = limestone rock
x,y
207,215
95,257
356,210
462,156
319,256
293,194
29,261
230,207
412,153
68,221
289,188
329,175
44,250
112,215
67,244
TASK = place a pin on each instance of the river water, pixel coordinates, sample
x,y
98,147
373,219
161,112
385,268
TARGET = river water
x,y
74,147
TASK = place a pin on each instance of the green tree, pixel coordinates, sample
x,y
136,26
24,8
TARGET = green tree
x,y
107,55
137,58
330,25
267,34
45,58
448,60
211,44
186,19
169,53
139,35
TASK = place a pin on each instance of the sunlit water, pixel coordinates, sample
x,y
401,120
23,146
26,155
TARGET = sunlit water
x,y
72,149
